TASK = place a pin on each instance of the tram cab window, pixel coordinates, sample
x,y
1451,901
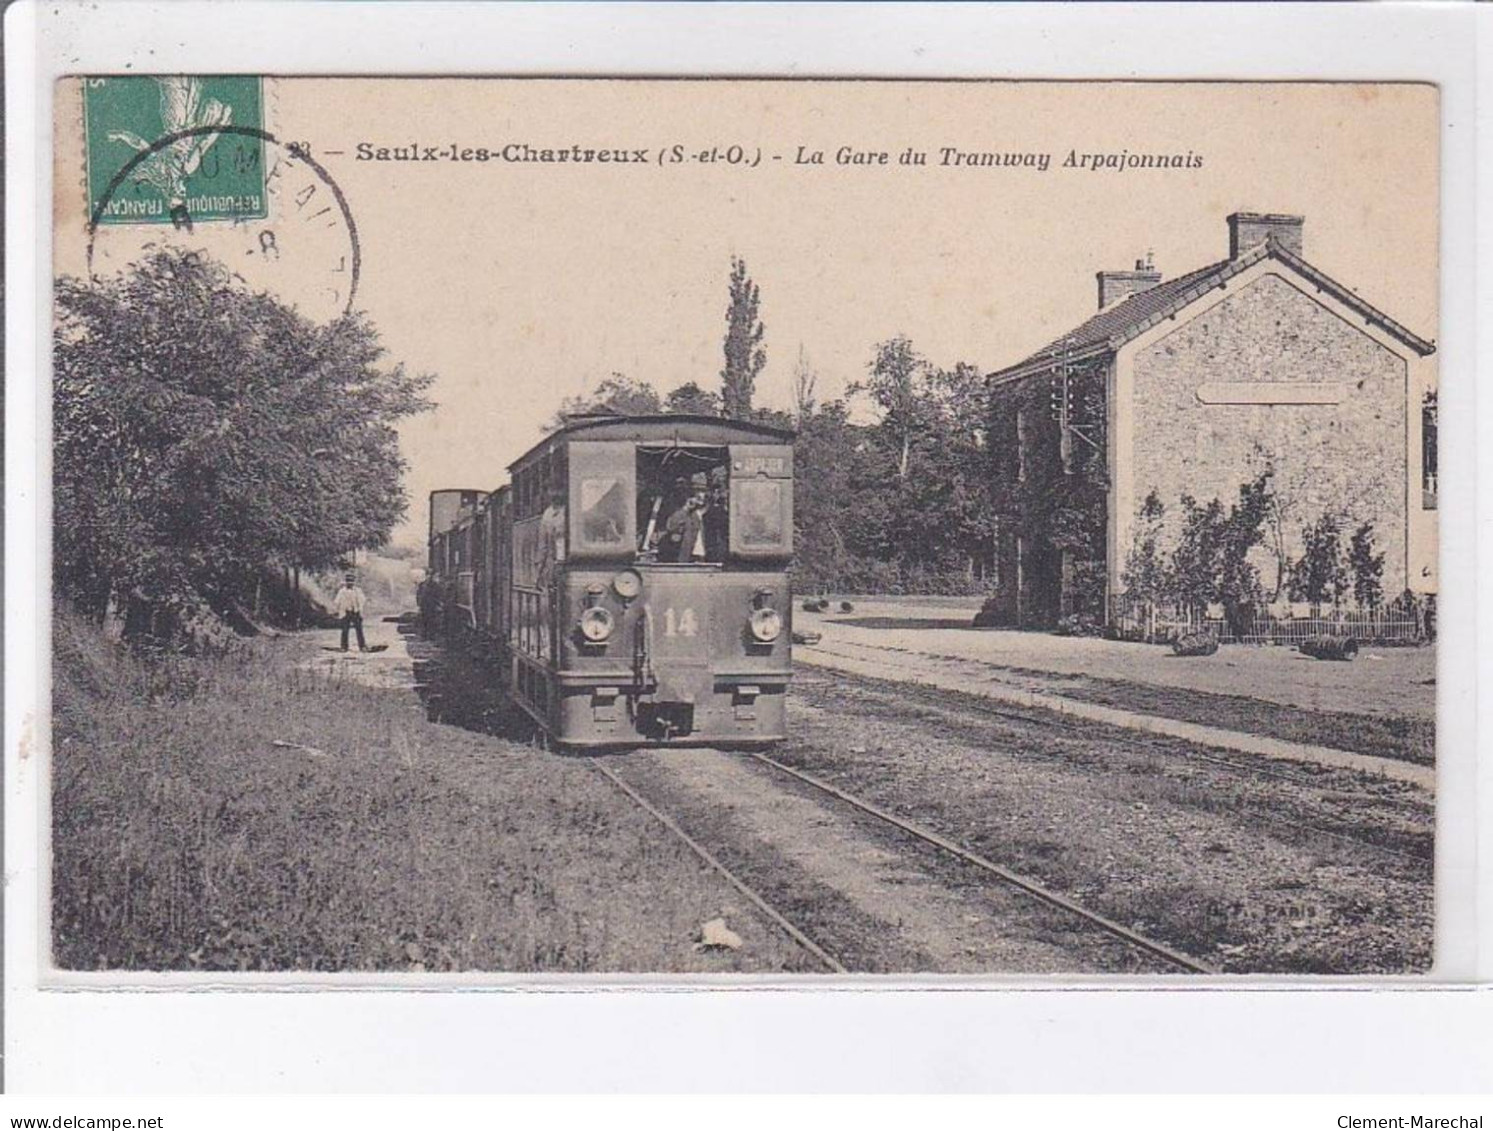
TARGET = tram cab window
x,y
682,504
759,512
603,511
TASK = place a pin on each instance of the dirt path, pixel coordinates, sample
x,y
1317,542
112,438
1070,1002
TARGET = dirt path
x,y
386,665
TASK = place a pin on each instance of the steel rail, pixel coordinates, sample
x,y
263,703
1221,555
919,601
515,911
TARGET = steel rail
x,y
1242,768
730,877
1411,855
1031,887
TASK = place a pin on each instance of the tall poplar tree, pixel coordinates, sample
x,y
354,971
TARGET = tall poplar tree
x,y
745,354
804,380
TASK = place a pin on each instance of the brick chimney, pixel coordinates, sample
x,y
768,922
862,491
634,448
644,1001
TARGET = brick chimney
x,y
1116,286
1248,230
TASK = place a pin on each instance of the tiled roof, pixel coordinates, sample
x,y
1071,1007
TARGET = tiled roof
x,y
1115,325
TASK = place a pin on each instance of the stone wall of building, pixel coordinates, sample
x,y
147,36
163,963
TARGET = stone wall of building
x,y
1348,456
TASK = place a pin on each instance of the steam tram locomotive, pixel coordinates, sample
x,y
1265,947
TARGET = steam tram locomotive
x,y
629,585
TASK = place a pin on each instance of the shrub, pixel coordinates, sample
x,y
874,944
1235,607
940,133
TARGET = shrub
x,y
203,432
1320,577
1367,567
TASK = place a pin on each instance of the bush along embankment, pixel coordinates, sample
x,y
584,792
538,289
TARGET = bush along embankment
x,y
251,812
213,449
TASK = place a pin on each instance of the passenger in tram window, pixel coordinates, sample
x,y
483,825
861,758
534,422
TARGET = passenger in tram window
x,y
552,535
684,534
717,510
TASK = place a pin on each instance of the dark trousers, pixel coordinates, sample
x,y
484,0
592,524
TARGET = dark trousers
x,y
353,620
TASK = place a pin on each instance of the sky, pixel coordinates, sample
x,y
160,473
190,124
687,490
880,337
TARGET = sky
x,y
519,283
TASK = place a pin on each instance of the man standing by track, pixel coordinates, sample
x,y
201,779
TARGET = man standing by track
x,y
349,608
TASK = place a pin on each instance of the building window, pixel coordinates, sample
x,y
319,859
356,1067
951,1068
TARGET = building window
x,y
1428,422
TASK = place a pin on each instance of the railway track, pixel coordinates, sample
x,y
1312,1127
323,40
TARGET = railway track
x,y
928,699
1006,876
751,894
965,716
1012,879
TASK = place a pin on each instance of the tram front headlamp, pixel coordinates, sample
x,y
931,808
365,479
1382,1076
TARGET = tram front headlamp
x,y
628,584
597,624
766,625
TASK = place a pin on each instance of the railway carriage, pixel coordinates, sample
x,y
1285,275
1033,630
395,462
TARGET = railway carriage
x,y
564,583
452,561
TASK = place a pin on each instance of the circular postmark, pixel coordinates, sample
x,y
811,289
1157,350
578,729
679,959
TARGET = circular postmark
x,y
308,254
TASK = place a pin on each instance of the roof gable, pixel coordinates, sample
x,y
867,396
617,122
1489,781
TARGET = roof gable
x,y
1112,327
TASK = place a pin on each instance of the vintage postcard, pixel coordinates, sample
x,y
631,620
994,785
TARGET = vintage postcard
x,y
539,527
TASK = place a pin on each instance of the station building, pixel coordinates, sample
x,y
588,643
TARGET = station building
x,y
1187,387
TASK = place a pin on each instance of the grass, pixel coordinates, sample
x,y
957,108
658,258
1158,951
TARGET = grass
x,y
184,840
1397,737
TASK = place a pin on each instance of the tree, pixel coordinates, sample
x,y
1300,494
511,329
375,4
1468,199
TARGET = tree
x,y
1297,492
948,524
903,502
203,433
618,393
1240,590
895,384
1194,574
773,418
1367,568
804,380
1319,576
1211,563
690,399
745,354
1144,576
826,514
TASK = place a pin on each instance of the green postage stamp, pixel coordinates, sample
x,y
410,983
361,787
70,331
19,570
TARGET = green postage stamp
x,y
211,169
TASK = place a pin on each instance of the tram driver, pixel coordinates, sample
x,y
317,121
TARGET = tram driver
x,y
683,537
